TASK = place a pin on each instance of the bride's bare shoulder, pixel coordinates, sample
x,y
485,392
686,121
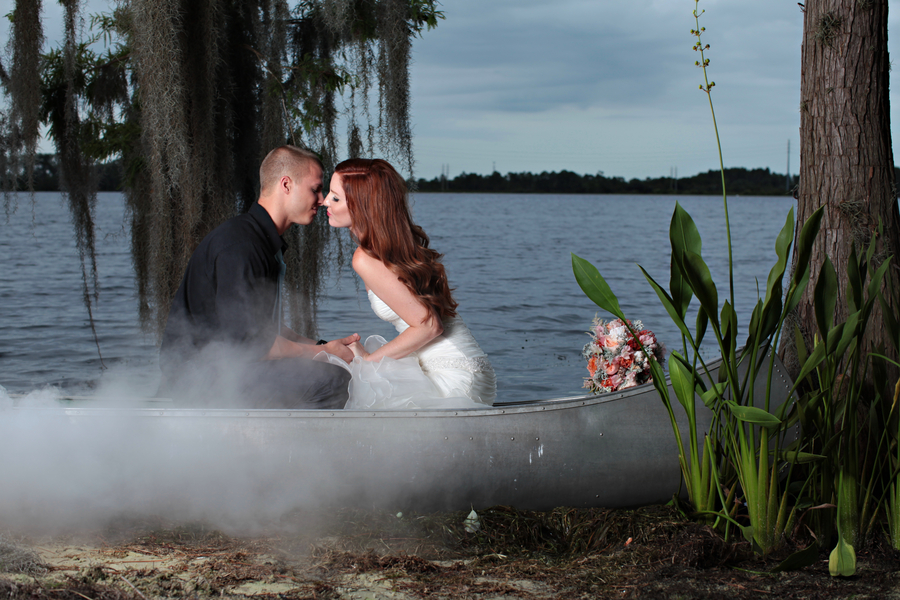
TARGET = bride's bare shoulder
x,y
370,268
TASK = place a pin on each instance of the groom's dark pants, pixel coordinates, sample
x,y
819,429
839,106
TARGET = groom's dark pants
x,y
283,383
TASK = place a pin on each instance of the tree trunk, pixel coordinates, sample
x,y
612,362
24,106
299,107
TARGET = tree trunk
x,y
846,162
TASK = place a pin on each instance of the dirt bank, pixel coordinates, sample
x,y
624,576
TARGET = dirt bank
x,y
504,554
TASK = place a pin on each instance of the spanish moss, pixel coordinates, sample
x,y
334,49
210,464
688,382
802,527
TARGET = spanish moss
x,y
25,84
164,133
8,181
275,15
393,81
76,169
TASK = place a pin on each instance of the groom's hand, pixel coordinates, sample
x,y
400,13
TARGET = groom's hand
x,y
340,348
358,350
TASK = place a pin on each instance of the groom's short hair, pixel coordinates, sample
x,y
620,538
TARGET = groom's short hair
x,y
285,160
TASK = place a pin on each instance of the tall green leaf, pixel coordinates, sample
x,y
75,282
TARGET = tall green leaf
x,y
683,383
668,303
595,287
849,334
754,415
890,323
782,251
795,293
808,234
800,344
771,310
855,281
729,328
683,235
825,297
700,280
877,279
702,323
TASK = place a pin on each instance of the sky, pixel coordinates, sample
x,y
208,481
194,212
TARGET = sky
x,y
599,86
595,86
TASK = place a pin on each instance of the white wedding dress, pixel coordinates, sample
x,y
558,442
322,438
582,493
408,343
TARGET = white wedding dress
x,y
450,371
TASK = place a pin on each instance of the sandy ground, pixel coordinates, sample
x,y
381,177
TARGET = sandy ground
x,y
243,568
567,553
354,557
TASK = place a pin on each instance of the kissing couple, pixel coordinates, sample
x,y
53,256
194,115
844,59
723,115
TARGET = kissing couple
x,y
225,344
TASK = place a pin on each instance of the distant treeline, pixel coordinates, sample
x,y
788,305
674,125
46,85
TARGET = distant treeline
x,y
751,182
46,175
738,181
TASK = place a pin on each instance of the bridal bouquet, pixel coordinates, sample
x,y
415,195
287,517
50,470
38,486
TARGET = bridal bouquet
x,y
614,356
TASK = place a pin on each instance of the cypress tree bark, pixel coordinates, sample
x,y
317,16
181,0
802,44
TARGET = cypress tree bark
x,y
846,161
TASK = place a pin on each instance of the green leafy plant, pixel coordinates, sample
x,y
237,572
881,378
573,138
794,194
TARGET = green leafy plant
x,y
891,499
742,445
883,476
740,452
835,377
829,447
751,470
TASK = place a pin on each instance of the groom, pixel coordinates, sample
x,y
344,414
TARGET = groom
x,y
224,342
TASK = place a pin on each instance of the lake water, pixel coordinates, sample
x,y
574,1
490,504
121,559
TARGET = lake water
x,y
507,256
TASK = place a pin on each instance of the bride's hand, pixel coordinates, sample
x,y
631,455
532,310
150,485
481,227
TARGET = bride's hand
x,y
358,350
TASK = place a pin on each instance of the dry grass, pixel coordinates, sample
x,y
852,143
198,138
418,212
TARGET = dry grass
x,y
565,553
15,558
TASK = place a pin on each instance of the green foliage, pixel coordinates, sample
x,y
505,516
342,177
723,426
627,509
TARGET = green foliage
x,y
100,79
742,450
846,468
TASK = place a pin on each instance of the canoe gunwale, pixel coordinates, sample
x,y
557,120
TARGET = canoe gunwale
x,y
164,408
554,404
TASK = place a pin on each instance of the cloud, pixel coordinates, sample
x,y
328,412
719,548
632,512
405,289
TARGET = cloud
x,y
616,81
535,57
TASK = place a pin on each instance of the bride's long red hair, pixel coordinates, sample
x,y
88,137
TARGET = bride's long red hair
x,y
377,198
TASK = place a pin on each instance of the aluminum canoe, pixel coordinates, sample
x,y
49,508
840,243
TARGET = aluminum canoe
x,y
610,450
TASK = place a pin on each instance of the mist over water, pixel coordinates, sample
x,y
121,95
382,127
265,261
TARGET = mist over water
x,y
62,472
507,256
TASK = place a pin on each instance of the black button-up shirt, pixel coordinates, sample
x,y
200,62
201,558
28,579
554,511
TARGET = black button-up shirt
x,y
228,293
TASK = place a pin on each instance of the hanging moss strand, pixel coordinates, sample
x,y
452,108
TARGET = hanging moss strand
x,y
25,88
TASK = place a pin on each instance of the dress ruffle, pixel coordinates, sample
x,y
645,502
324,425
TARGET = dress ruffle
x,y
450,371
397,383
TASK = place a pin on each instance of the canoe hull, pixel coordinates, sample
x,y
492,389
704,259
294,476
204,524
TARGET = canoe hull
x,y
612,450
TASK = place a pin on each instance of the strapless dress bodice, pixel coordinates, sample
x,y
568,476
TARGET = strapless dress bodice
x,y
455,348
450,371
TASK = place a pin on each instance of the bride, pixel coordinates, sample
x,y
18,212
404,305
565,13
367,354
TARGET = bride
x,y
434,362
